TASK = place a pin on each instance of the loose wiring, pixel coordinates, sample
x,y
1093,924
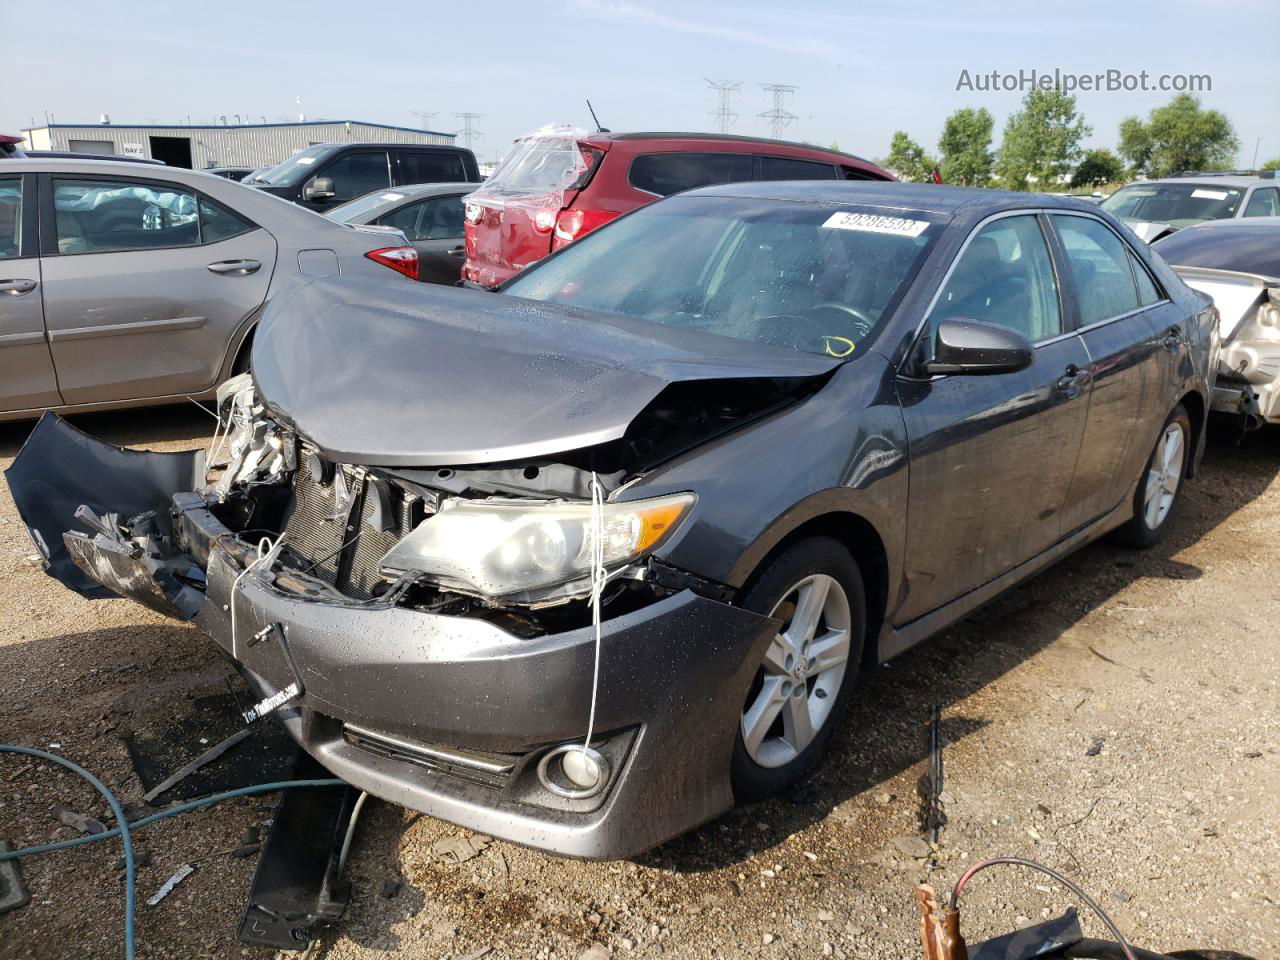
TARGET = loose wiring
x,y
1070,885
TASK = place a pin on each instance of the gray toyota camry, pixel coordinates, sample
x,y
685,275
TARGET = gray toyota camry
x,y
582,564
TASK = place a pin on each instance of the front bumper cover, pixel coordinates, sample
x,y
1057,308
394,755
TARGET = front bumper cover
x,y
383,687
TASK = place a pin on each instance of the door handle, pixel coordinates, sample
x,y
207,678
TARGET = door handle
x,y
458,252
1072,380
235,268
1173,337
16,288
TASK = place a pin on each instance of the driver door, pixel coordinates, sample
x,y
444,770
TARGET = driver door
x,y
992,456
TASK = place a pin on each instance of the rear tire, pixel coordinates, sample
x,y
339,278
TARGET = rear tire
x,y
1160,489
810,668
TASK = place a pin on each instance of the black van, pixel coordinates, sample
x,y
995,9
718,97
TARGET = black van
x,y
326,174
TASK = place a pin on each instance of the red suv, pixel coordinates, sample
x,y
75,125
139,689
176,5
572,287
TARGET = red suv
x,y
557,185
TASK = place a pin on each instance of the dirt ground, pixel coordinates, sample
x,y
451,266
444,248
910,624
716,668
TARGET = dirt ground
x,y
1117,718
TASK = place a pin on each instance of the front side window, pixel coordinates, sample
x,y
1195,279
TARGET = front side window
x,y
100,216
355,174
668,173
1264,202
796,275
789,168
1005,276
1100,267
10,216
430,168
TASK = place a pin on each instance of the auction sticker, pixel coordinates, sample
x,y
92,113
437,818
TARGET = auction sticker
x,y
1209,194
873,223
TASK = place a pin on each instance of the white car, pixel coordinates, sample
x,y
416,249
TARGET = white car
x,y
1237,262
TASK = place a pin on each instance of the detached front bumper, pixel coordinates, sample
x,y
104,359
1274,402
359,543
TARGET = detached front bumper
x,y
451,715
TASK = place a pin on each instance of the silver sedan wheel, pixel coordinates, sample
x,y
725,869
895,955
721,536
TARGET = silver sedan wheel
x,y
1164,476
797,685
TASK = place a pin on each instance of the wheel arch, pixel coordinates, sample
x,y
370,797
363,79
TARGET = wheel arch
x,y
863,541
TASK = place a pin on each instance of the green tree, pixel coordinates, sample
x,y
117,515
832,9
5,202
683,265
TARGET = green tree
x,y
1097,167
1272,164
1181,135
835,146
965,146
1041,141
908,159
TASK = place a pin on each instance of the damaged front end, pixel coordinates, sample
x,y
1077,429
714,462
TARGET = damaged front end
x,y
427,631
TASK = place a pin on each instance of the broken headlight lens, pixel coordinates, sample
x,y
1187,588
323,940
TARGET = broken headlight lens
x,y
507,548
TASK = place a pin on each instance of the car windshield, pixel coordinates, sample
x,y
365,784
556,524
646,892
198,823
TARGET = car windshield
x,y
812,278
1177,204
292,170
356,210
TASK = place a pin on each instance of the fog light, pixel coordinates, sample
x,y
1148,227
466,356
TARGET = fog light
x,y
573,771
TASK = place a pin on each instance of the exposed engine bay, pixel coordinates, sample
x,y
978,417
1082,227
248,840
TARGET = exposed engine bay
x,y
508,542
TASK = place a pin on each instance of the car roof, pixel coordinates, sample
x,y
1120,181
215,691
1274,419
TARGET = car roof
x,y
925,197
334,144
763,142
417,189
1207,180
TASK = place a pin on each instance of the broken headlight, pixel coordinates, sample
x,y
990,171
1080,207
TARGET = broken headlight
x,y
504,548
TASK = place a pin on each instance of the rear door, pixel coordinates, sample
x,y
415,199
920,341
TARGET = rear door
x,y
1134,336
26,368
145,282
992,457
434,228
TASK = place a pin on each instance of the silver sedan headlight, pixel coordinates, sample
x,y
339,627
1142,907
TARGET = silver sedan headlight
x,y
504,548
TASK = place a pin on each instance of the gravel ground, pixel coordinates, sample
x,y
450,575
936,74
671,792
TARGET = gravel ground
x,y
1117,718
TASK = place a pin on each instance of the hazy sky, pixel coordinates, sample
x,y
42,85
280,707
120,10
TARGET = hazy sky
x,y
860,73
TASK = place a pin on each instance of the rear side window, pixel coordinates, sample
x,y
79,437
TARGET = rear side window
x,y
789,168
99,216
10,216
1100,265
355,174
668,173
1264,202
418,167
218,223
1148,292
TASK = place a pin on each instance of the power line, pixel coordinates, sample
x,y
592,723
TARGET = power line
x,y
779,116
468,133
724,114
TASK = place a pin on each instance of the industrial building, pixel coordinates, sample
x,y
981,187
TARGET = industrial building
x,y
198,147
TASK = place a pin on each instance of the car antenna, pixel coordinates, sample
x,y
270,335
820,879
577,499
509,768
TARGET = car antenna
x,y
599,129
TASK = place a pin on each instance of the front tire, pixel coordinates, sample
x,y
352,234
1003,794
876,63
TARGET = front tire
x,y
804,682
1158,494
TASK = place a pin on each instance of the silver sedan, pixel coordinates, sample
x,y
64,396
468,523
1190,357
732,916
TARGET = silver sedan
x,y
126,284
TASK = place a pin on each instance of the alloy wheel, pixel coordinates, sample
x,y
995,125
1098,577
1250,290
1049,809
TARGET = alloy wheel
x,y
1164,475
796,687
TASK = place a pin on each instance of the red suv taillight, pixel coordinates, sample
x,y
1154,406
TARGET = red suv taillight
x,y
400,259
572,224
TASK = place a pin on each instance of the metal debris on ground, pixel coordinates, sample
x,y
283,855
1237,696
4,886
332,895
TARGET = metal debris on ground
x,y
459,849
1095,747
77,821
166,888
934,817
213,753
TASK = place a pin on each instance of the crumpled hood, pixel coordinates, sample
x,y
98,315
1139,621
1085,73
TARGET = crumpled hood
x,y
400,374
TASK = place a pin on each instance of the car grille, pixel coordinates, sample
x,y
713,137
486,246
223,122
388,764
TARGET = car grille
x,y
343,548
488,769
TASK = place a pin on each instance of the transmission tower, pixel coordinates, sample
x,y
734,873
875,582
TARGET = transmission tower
x,y
468,132
424,116
779,117
723,113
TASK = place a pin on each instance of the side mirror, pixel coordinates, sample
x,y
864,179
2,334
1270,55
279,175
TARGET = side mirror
x,y
978,347
318,188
